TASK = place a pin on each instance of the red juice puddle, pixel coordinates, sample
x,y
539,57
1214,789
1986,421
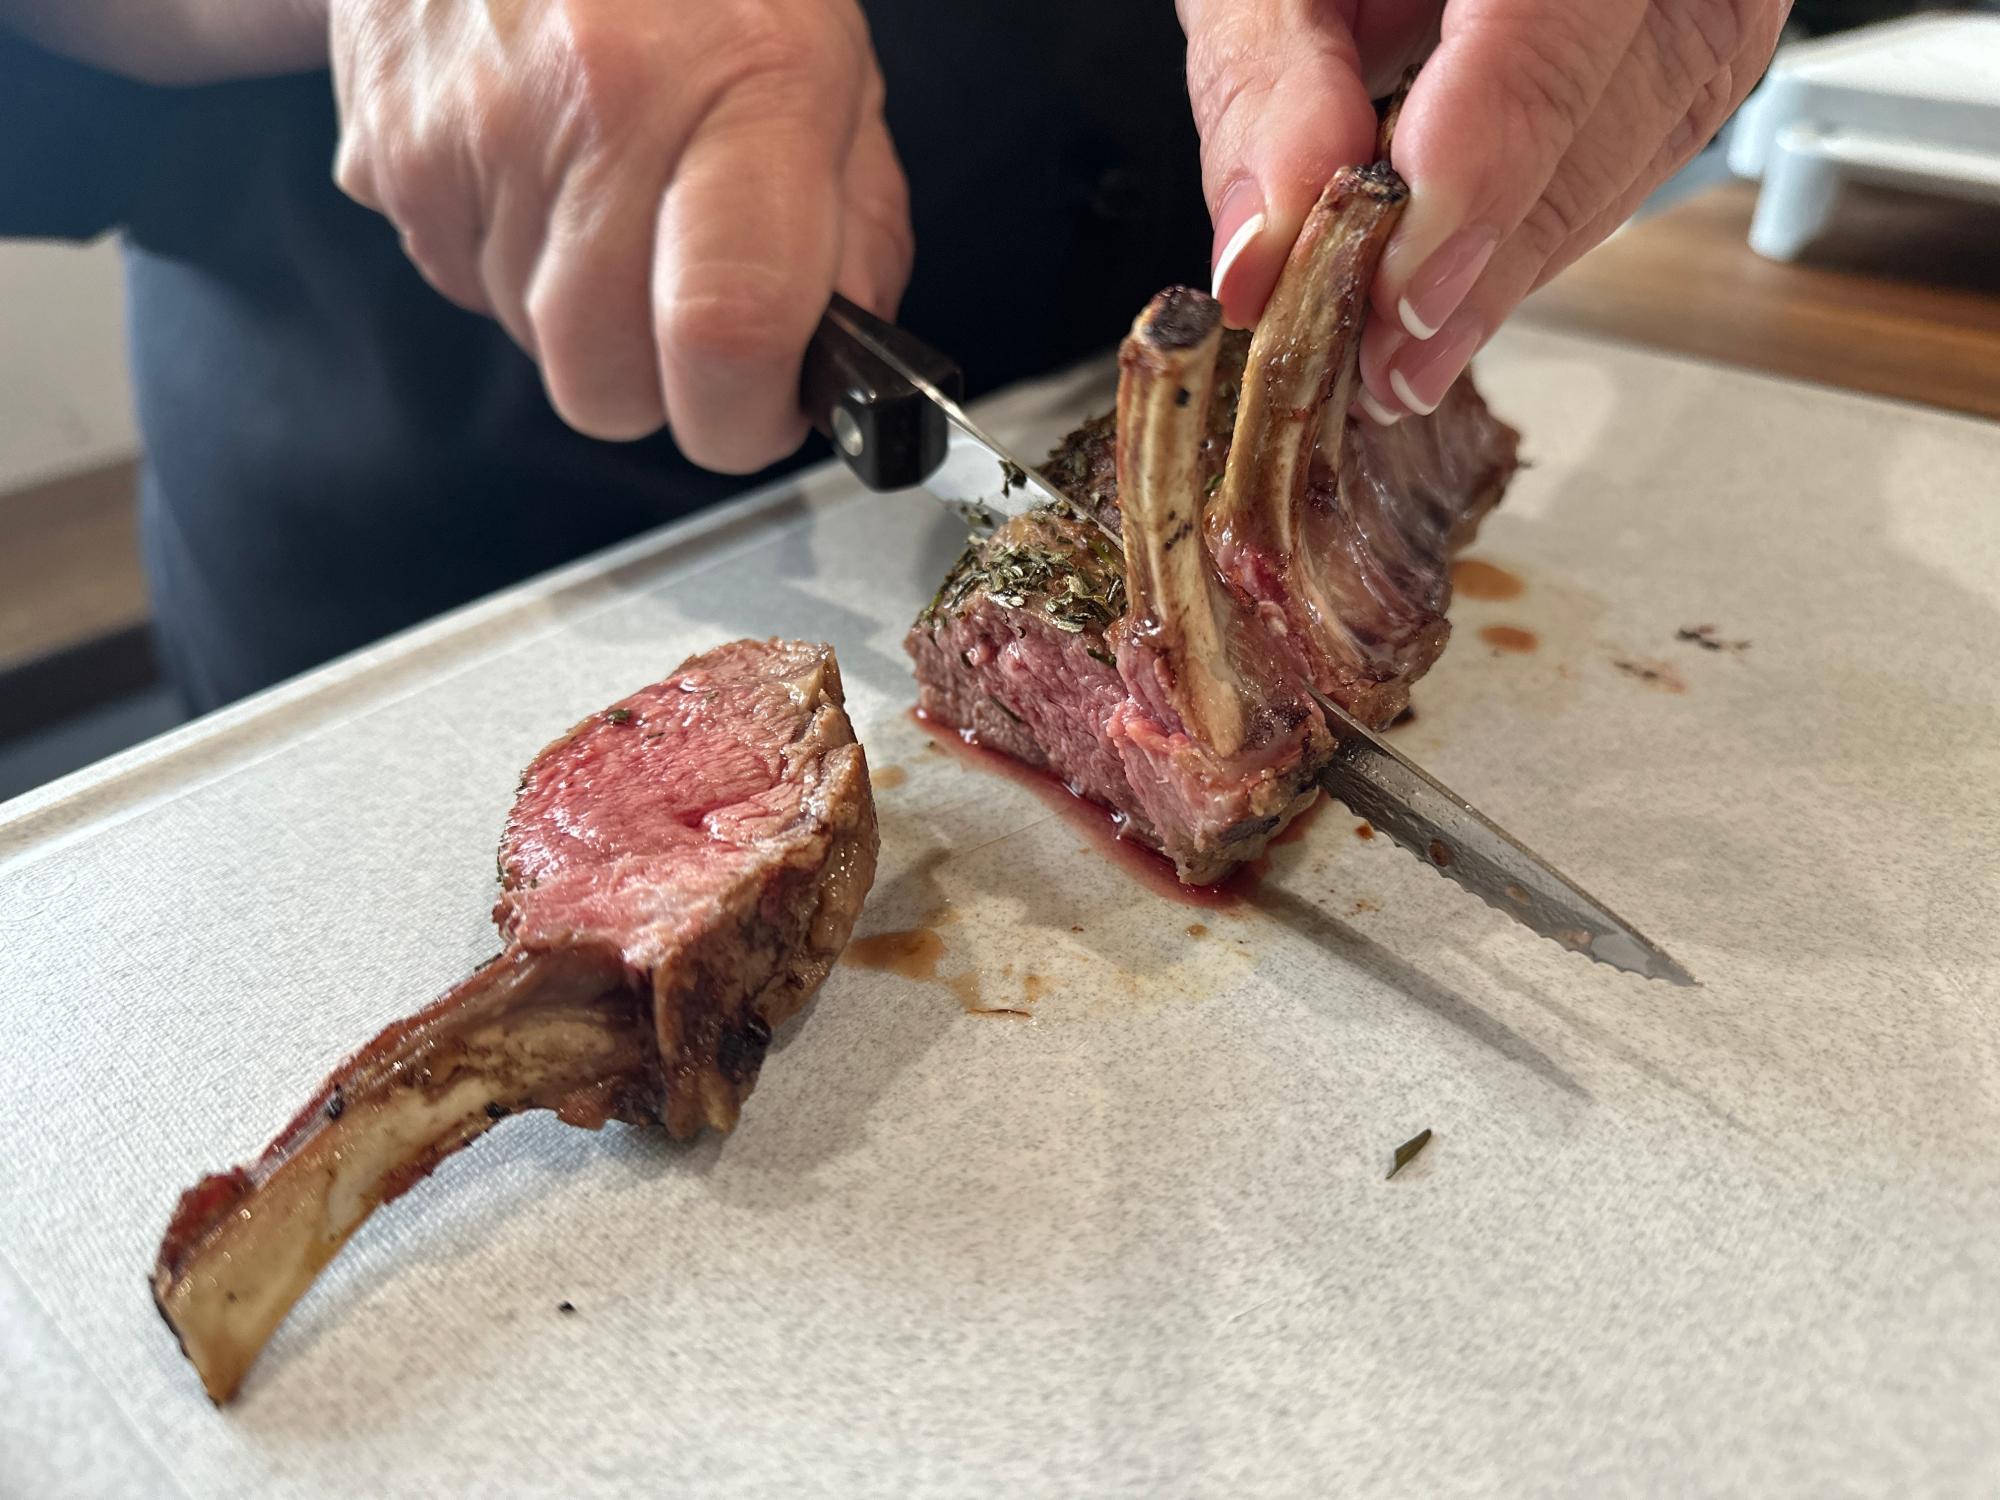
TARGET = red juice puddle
x,y
1148,867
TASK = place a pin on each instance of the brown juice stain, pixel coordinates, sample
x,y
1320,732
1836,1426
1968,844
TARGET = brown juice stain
x,y
965,988
1106,972
889,778
1364,830
912,952
1509,638
1362,904
1197,929
1655,674
1474,579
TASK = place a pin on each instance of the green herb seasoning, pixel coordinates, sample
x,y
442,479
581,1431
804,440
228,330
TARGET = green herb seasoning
x,y
1409,1151
618,716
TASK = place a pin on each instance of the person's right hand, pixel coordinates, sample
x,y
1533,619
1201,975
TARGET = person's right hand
x,y
655,199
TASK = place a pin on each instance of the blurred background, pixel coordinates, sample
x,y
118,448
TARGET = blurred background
x,y
1897,293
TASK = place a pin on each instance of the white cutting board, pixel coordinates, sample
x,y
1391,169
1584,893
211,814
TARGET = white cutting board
x,y
1738,1240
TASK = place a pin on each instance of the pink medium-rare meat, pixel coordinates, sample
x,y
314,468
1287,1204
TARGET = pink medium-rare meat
x,y
1263,542
711,828
679,872
1125,667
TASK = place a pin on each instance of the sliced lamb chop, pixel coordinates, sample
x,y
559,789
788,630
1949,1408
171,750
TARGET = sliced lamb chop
x,y
679,872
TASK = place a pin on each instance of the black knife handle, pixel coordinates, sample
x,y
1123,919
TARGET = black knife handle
x,y
886,430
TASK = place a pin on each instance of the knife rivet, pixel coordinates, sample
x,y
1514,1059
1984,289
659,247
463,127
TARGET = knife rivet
x,y
847,432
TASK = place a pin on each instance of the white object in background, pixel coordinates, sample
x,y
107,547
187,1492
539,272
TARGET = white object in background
x,y
1913,104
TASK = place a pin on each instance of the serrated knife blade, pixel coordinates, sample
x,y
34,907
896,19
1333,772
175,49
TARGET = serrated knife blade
x,y
1401,799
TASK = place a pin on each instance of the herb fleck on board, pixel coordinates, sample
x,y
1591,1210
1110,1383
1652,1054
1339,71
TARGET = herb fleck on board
x,y
1409,1151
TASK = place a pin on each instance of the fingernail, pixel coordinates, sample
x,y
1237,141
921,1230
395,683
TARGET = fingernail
x,y
1442,281
1238,222
1380,342
1424,370
1376,412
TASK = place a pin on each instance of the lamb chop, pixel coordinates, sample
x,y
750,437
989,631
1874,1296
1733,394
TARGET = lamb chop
x,y
678,875
1232,538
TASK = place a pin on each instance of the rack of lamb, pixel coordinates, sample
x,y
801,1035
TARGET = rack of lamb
x,y
1232,536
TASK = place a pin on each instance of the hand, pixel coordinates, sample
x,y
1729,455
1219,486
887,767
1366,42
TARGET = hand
x,y
655,199
1534,130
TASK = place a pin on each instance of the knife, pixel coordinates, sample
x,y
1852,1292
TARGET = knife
x,y
889,403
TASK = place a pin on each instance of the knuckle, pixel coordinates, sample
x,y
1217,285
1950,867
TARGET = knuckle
x,y
1231,68
1713,104
771,47
1543,78
353,175
738,322
618,73
610,416
409,176
550,311
1558,215
1713,32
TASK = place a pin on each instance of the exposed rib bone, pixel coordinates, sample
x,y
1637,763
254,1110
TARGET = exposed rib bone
x,y
1392,111
1166,377
1309,333
554,1031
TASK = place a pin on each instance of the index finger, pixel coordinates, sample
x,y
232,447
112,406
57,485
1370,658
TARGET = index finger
x,y
749,245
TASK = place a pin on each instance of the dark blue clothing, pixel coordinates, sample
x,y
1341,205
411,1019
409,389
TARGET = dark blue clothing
x,y
333,451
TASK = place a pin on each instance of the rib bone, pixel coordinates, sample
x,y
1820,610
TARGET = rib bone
x,y
1308,336
559,1031
1166,377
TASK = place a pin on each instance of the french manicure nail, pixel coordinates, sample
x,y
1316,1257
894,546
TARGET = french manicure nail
x,y
1442,281
1376,412
1238,222
1424,370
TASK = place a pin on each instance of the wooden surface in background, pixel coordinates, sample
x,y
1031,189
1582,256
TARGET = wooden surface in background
x,y
1900,296
69,564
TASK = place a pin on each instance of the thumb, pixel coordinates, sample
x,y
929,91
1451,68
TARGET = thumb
x,y
1280,103
1488,122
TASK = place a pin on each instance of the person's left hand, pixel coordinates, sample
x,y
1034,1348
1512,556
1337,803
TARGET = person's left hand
x,y
1535,128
